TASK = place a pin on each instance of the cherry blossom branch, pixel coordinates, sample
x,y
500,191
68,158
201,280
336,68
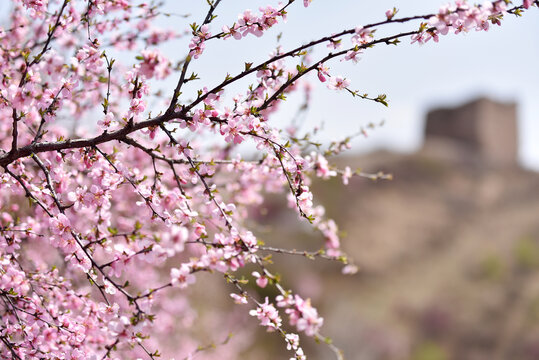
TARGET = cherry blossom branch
x,y
311,255
267,314
209,17
293,52
75,236
208,191
26,231
8,296
11,347
153,155
50,35
210,346
146,199
39,132
109,348
305,71
49,185
105,137
150,355
27,192
110,63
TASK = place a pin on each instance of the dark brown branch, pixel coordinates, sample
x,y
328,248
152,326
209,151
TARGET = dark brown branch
x,y
296,51
105,137
287,84
15,132
10,346
181,80
50,35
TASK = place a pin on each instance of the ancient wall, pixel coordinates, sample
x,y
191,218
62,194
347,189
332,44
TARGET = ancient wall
x,y
487,128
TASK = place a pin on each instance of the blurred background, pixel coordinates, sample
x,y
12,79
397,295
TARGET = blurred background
x,y
449,250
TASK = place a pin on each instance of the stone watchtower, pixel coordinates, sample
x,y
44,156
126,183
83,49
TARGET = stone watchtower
x,y
485,127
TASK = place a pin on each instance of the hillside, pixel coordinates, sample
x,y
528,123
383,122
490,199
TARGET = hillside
x,y
448,251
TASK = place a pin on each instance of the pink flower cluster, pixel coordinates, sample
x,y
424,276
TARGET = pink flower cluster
x,y
461,17
182,277
301,313
37,7
249,23
268,316
338,83
153,64
197,44
292,343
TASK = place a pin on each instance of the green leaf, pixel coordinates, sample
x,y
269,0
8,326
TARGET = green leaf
x,y
382,99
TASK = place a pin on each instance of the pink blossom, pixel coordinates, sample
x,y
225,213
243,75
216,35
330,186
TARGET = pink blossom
x,y
232,31
268,316
232,131
323,71
350,269
137,106
347,174
284,301
334,44
182,277
338,83
300,355
304,316
261,280
239,299
362,36
197,47
153,63
109,288
391,13
321,165
292,341
60,225
214,260
353,55
204,33
38,7
107,121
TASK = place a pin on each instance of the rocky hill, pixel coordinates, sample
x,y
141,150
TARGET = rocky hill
x,y
448,251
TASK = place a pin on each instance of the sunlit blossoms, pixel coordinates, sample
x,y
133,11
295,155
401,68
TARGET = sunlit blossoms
x,y
462,17
338,83
268,316
153,64
301,314
127,203
181,277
